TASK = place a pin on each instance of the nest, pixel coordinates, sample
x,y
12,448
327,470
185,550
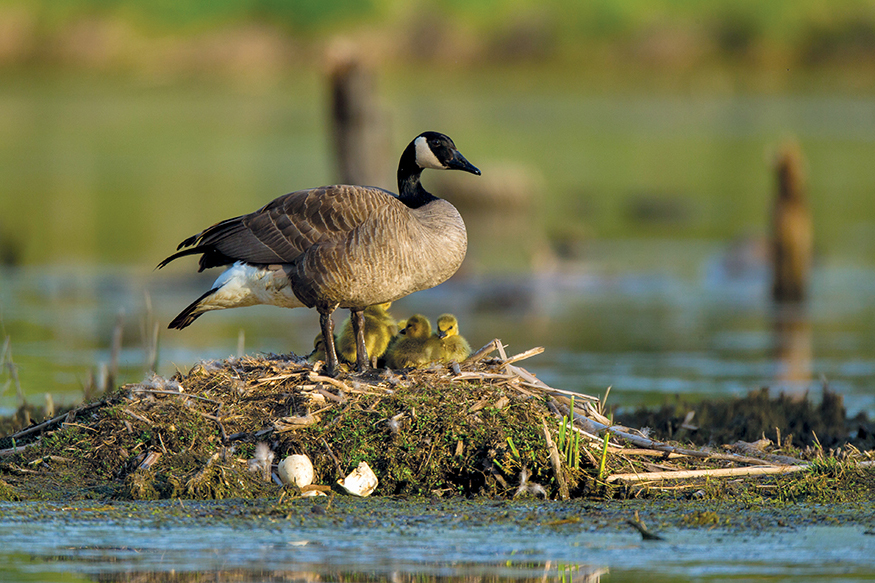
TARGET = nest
x,y
484,427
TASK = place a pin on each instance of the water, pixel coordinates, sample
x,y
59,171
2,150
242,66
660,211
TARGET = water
x,y
420,541
681,326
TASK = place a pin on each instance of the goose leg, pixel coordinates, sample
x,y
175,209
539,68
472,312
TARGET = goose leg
x,y
328,337
358,328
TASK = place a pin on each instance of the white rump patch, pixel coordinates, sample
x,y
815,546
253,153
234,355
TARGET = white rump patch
x,y
425,158
247,285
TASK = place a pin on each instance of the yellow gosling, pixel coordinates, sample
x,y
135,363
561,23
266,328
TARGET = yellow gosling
x,y
415,345
453,346
318,349
380,327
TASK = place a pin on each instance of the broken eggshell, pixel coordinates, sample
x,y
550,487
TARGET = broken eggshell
x,y
296,470
361,481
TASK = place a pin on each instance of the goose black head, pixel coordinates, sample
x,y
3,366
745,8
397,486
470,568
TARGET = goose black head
x,y
427,150
435,150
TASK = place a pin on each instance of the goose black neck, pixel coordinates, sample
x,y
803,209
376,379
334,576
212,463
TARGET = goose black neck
x,y
410,189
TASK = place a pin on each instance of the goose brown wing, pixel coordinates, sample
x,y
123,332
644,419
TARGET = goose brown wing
x,y
286,227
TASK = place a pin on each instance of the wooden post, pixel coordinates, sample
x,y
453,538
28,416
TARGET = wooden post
x,y
791,229
358,128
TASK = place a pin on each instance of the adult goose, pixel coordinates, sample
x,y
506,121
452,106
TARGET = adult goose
x,y
337,246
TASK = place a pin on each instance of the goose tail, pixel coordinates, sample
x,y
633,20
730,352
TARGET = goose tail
x,y
193,311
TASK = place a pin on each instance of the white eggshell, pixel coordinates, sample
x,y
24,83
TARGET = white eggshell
x,y
296,470
361,482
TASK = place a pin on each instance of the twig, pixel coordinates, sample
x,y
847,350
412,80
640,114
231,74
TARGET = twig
x,y
59,419
329,395
524,355
555,462
710,473
137,417
17,448
595,427
482,376
281,377
333,457
292,423
541,385
80,426
627,451
176,394
340,385
482,352
500,347
218,421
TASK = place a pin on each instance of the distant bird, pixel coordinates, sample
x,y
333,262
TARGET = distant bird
x,y
453,346
380,327
415,346
337,247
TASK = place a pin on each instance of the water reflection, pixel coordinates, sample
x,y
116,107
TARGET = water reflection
x,y
791,326
548,572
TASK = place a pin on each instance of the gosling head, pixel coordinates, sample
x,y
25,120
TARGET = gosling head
x,y
447,325
418,327
437,151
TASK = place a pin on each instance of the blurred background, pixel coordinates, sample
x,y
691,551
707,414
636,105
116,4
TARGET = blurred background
x,y
627,217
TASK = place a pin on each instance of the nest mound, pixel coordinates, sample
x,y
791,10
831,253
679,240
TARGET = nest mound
x,y
488,427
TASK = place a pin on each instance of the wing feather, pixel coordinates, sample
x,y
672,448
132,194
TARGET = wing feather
x,y
286,227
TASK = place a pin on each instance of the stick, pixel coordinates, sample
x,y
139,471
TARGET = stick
x,y
175,393
482,376
595,427
713,473
500,348
555,462
137,417
333,457
340,385
481,354
17,448
524,355
58,419
566,393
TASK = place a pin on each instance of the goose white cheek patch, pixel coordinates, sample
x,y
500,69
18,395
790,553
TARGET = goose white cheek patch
x,y
425,158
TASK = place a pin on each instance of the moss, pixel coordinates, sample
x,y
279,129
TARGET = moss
x,y
8,493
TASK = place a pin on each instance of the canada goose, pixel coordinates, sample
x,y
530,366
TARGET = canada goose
x,y
415,345
380,327
453,346
337,246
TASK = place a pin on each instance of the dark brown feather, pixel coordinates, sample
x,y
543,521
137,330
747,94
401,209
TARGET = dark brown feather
x,y
283,229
